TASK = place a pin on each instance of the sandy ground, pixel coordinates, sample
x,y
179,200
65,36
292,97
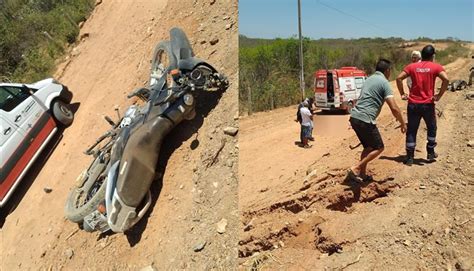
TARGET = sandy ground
x,y
106,65
298,211
269,153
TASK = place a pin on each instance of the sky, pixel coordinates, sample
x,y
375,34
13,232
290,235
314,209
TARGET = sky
x,y
408,19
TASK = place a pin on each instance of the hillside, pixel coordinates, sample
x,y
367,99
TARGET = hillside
x,y
111,60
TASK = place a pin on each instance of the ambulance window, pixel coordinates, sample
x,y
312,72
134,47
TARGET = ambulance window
x,y
11,97
320,83
359,81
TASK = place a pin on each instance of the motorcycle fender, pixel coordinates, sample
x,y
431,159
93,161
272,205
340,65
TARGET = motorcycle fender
x,y
180,45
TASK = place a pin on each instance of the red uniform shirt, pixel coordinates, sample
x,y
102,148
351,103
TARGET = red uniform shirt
x,y
423,75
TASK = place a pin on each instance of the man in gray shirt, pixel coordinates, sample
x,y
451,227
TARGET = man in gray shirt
x,y
375,92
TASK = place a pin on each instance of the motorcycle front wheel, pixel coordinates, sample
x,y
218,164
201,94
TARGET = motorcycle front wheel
x,y
162,59
88,192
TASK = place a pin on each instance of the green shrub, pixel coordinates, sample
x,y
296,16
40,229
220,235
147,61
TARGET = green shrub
x,y
269,69
34,33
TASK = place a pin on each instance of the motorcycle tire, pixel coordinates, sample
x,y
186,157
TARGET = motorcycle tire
x,y
162,59
88,192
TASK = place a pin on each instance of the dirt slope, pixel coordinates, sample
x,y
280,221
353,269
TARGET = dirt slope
x,y
269,152
191,194
418,45
310,217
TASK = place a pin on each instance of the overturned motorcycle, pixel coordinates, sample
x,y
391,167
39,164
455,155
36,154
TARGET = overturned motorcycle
x,y
113,193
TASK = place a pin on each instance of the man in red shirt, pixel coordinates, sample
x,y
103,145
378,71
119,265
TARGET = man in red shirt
x,y
421,101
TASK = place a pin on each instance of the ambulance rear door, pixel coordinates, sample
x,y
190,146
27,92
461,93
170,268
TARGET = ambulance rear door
x,y
320,90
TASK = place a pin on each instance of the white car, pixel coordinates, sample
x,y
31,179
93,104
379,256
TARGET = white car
x,y
30,114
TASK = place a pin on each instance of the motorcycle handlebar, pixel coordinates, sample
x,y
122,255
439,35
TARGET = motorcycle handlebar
x,y
195,81
90,151
144,92
110,121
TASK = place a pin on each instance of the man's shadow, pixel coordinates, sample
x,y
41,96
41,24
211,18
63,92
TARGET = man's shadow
x,y
33,172
401,159
205,102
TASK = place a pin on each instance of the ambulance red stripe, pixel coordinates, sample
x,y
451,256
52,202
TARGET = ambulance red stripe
x,y
13,172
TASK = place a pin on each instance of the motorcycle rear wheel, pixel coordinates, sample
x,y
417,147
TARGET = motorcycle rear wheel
x,y
88,192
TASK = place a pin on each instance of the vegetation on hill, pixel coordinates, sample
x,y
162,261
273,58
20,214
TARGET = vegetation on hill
x,y
269,69
34,33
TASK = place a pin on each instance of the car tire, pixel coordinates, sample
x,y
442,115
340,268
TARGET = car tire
x,y
62,113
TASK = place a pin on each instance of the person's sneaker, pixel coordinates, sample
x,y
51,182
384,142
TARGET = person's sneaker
x,y
367,179
311,138
431,157
409,161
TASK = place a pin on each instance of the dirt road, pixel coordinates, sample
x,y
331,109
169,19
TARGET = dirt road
x,y
305,215
269,153
112,59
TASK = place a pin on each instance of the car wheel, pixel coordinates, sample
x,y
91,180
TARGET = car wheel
x,y
62,113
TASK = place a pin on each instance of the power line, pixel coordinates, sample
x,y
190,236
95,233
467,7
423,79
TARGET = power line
x,y
358,19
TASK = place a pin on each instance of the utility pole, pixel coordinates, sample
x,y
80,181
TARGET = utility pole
x,y
249,89
301,52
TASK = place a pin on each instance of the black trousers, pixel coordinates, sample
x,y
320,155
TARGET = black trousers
x,y
416,112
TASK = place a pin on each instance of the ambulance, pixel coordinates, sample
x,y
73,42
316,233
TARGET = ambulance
x,y
338,89
30,114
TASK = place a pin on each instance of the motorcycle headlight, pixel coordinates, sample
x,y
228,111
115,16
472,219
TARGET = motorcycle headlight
x,y
188,99
196,74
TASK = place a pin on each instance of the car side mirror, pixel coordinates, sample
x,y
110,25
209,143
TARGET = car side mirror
x,y
26,90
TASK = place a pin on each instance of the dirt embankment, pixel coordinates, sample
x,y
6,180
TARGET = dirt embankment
x,y
307,216
197,185
418,46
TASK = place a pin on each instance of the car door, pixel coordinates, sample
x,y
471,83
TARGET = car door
x,y
347,88
11,137
320,91
21,108
336,89
359,82
23,123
